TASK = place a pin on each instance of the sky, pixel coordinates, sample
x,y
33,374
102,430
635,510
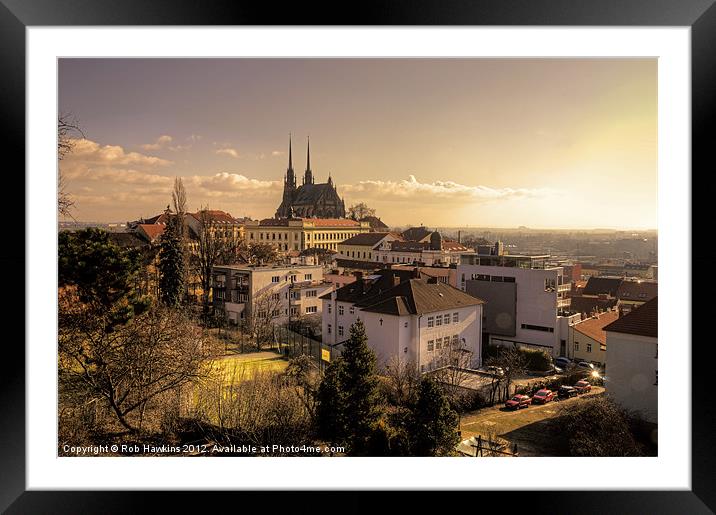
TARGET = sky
x,y
542,143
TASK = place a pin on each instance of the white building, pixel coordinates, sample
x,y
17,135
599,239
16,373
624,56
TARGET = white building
x,y
362,247
527,301
280,292
408,317
435,252
632,370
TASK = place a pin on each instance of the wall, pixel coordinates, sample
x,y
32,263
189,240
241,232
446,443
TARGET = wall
x,y
631,372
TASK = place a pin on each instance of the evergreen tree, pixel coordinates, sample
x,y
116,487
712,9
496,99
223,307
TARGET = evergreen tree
x,y
434,423
331,404
102,274
171,264
360,385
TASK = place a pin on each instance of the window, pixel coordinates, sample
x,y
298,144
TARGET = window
x,y
455,339
431,321
455,318
275,279
275,296
294,311
275,312
589,347
438,343
340,310
329,309
508,279
550,285
340,330
311,309
438,321
311,293
261,314
431,345
307,277
576,345
446,319
406,324
329,328
538,328
352,310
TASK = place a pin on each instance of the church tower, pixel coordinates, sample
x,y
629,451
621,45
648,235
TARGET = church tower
x,y
308,176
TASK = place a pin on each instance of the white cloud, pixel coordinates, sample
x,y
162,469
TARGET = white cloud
x,y
159,143
229,152
276,153
411,188
90,152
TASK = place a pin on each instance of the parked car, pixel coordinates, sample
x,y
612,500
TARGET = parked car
x,y
583,387
518,401
562,362
565,392
585,364
543,396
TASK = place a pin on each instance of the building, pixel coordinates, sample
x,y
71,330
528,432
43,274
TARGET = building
x,y
526,300
436,251
279,294
588,340
363,247
446,275
310,200
634,293
289,234
632,360
376,224
219,223
407,317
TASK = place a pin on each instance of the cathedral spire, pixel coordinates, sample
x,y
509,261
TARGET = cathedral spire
x,y
308,176
290,177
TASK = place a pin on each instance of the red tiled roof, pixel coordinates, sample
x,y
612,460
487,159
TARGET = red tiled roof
x,y
453,245
594,327
641,321
153,231
332,222
215,215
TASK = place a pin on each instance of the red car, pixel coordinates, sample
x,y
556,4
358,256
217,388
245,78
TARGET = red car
x,y
583,387
518,401
543,396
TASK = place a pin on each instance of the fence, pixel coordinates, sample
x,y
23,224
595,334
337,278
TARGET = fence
x,y
278,338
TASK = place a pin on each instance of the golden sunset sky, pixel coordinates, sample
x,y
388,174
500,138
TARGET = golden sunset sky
x,y
544,143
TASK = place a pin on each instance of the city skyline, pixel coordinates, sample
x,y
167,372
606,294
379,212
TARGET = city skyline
x,y
541,143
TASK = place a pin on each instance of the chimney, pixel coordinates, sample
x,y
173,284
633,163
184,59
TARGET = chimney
x,y
458,237
432,280
396,280
416,273
359,275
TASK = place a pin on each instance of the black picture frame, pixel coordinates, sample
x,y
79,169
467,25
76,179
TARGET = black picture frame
x,y
700,15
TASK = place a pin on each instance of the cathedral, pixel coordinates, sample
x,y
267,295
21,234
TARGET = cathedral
x,y
310,200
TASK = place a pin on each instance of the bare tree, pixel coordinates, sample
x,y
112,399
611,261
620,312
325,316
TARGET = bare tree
x,y
260,253
129,366
213,246
456,360
304,374
360,211
260,321
403,380
68,129
513,363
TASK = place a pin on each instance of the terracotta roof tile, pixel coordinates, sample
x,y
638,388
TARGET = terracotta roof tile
x,y
641,321
594,327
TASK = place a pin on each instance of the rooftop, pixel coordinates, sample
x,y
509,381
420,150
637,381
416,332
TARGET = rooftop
x,y
642,321
369,239
594,327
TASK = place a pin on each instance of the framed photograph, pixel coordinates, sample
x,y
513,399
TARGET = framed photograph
x,y
428,236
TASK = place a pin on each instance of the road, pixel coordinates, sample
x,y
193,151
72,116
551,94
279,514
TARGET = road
x,y
532,429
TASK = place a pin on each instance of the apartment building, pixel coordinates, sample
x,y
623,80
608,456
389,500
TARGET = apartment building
x,y
588,339
283,293
363,247
526,299
407,317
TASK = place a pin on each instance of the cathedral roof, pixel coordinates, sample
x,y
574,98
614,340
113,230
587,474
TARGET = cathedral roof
x,y
311,193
